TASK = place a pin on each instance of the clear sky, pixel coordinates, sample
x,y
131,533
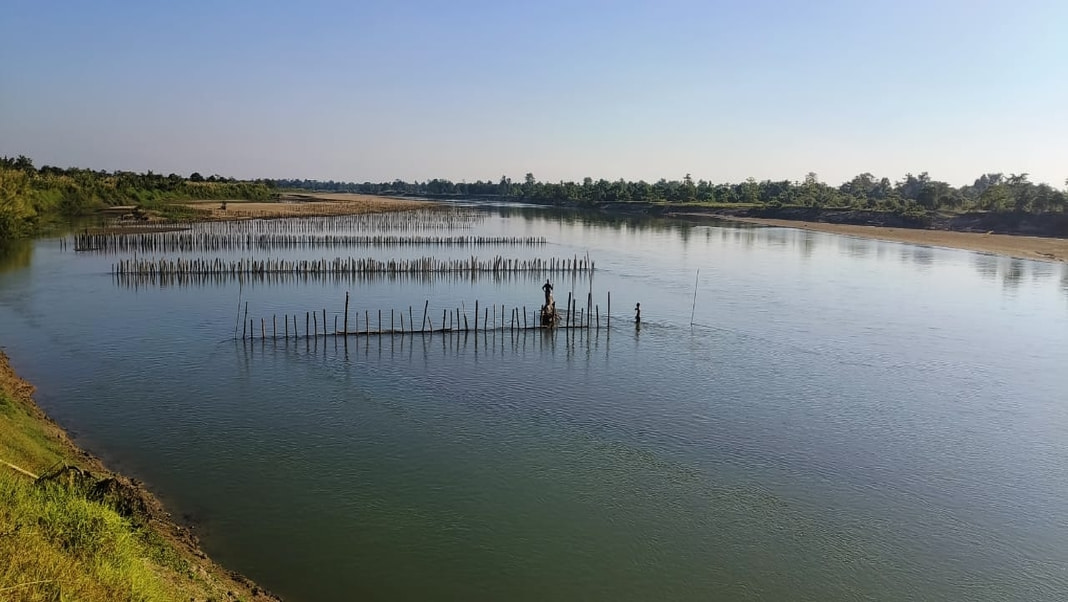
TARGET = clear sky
x,y
469,90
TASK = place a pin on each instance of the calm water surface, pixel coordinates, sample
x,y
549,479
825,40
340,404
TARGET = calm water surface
x,y
845,419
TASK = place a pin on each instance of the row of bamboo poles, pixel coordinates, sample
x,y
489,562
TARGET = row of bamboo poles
x,y
434,218
187,241
452,321
349,265
443,218
180,279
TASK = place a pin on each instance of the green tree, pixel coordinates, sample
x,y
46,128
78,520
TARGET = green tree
x,y
16,210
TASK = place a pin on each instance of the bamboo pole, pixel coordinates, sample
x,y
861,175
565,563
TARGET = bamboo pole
x,y
346,322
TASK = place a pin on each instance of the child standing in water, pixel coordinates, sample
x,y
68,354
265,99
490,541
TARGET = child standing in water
x,y
638,313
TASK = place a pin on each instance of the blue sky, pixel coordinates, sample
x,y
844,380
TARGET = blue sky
x,y
471,90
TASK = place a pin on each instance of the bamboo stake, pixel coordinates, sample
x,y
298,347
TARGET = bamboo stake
x,y
694,307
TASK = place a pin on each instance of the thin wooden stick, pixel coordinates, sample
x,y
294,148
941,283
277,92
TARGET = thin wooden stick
x,y
695,283
20,470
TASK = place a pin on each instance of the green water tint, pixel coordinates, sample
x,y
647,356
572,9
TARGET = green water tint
x,y
846,419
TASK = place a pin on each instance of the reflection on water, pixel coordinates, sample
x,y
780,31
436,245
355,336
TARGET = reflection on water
x,y
917,255
856,247
986,265
1011,271
844,419
15,254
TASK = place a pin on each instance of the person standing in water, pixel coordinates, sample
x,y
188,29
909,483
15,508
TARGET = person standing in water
x,y
638,313
548,288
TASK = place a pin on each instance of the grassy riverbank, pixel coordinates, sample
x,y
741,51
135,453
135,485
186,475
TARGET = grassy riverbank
x,y
70,530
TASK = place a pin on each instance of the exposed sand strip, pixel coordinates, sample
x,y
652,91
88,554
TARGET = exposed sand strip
x,y
1024,247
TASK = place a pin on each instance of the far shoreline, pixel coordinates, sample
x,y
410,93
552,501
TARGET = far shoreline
x,y
300,205
1017,246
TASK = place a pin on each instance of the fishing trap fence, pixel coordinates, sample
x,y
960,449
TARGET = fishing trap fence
x,y
186,241
350,265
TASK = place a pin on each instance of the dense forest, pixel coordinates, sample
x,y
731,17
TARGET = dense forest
x,y
990,192
31,195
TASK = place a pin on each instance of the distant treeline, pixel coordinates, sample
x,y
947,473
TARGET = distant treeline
x,y
990,192
31,195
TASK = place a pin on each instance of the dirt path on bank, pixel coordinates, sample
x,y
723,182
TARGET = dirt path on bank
x,y
1023,247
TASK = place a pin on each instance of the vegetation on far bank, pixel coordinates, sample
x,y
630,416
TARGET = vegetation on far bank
x,y
71,531
31,196
990,192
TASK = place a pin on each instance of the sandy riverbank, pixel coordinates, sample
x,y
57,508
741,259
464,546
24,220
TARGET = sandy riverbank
x,y
1023,247
304,205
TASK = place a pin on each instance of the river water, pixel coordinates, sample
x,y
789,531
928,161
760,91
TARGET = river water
x,y
830,418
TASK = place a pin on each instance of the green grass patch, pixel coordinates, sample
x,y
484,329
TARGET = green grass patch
x,y
76,536
61,546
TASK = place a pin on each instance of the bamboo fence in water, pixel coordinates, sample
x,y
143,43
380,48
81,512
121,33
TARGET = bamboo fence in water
x,y
348,265
187,241
456,320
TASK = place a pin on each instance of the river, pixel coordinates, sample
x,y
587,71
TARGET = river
x,y
828,418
